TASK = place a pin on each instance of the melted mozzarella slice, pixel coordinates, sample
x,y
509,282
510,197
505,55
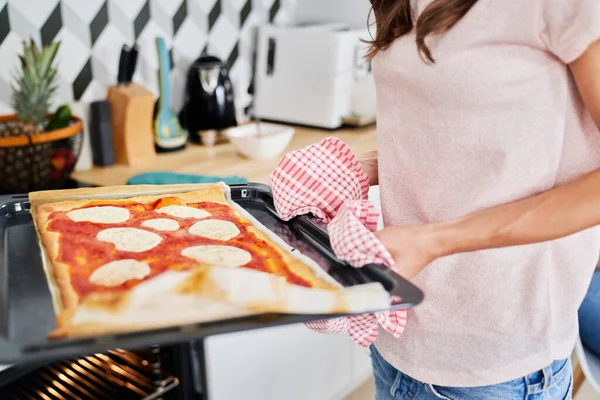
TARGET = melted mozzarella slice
x,y
100,215
118,272
215,229
161,224
183,212
130,239
223,256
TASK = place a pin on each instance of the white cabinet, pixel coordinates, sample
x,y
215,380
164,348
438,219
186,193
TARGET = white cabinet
x,y
291,363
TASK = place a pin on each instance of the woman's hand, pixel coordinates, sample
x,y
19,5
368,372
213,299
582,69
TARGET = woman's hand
x,y
369,164
412,247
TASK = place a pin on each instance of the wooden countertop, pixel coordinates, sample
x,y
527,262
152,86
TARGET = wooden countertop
x,y
223,160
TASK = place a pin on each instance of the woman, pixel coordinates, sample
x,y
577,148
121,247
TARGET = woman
x,y
490,189
589,316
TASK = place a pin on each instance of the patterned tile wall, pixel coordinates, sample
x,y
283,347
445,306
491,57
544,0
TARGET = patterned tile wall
x,y
93,31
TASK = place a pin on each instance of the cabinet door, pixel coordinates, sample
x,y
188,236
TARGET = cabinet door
x,y
291,363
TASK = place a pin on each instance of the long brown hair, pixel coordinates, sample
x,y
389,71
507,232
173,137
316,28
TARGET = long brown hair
x,y
394,18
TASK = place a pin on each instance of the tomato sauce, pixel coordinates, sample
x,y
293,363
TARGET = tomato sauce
x,y
79,248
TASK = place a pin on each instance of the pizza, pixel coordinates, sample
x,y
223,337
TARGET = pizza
x,y
126,262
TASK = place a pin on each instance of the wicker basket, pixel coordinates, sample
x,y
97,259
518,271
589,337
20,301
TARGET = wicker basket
x,y
41,161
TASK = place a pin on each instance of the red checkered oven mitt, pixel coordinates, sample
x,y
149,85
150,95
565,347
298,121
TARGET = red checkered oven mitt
x,y
322,179
318,180
353,241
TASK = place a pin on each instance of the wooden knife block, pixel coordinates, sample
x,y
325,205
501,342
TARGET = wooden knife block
x,y
132,109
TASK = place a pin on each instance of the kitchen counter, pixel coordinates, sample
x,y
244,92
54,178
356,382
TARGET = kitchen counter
x,y
223,160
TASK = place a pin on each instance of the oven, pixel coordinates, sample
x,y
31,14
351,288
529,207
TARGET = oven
x,y
174,372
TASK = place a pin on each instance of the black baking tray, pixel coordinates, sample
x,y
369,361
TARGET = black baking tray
x,y
27,315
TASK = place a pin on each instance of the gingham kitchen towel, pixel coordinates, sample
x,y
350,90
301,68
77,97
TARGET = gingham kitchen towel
x,y
318,180
322,179
353,241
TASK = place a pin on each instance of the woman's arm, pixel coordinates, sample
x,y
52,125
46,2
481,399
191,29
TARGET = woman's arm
x,y
550,215
369,164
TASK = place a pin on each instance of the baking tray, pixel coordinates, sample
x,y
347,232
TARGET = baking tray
x,y
27,315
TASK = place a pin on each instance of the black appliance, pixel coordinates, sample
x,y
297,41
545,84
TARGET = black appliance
x,y
209,99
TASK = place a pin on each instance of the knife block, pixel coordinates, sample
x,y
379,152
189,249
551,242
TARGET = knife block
x,y
132,108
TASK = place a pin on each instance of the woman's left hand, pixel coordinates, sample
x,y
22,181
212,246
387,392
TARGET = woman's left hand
x,y
412,247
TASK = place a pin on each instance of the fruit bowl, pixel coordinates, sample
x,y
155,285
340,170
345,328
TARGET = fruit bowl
x,y
260,141
41,161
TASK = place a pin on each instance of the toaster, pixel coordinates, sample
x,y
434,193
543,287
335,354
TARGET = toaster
x,y
313,75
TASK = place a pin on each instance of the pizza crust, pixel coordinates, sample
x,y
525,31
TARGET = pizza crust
x,y
210,294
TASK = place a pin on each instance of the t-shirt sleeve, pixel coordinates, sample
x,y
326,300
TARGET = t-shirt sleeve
x,y
569,27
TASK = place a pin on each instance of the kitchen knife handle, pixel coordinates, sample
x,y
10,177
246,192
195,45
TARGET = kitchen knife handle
x,y
131,65
123,65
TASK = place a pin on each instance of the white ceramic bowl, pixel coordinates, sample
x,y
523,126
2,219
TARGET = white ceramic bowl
x,y
272,141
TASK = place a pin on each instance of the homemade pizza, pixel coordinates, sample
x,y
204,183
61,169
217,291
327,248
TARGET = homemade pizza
x,y
129,262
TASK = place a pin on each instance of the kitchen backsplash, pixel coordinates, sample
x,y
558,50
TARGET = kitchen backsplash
x,y
93,31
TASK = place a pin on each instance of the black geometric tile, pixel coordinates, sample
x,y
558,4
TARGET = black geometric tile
x,y
204,51
274,10
233,56
214,14
83,80
52,25
142,19
171,59
99,22
180,16
245,12
4,23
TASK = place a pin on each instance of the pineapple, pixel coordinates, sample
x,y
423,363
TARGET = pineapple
x,y
28,167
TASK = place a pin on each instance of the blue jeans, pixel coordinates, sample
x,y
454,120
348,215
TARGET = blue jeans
x,y
589,316
554,382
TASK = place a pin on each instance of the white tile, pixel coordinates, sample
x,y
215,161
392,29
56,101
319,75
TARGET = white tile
x,y
85,10
130,8
162,16
21,24
72,55
120,19
177,89
222,38
5,92
5,109
94,92
231,11
170,7
76,23
147,43
104,73
107,51
237,4
64,94
9,54
35,11
204,5
190,40
198,16
147,76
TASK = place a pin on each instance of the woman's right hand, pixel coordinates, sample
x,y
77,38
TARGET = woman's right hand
x,y
369,164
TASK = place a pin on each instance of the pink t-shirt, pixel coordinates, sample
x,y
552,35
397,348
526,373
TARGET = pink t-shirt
x,y
496,119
